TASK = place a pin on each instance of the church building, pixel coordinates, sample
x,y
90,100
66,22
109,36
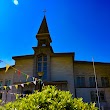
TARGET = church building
x,y
60,69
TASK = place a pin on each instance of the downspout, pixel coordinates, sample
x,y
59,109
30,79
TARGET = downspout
x,y
74,78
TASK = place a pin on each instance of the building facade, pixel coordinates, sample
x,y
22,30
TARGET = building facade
x,y
60,69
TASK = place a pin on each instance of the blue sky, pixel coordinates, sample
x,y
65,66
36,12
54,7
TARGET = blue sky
x,y
80,26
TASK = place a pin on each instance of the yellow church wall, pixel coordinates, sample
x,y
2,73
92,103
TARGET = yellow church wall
x,y
62,70
86,70
25,66
3,77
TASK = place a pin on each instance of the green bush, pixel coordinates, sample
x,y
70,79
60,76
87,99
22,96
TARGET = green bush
x,y
49,99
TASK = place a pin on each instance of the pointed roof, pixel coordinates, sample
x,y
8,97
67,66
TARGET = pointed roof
x,y
43,27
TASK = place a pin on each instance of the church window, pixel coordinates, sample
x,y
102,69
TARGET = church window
x,y
43,42
105,81
7,82
80,81
42,65
92,81
1,84
94,96
0,95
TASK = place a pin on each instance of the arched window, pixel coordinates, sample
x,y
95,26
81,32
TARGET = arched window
x,y
42,65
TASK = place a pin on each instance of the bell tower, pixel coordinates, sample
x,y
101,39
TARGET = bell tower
x,y
43,37
43,51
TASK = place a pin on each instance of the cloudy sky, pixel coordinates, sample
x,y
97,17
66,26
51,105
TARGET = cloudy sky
x,y
80,26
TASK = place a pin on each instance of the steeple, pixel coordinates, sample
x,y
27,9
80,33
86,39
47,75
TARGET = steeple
x,y
43,27
43,35
43,50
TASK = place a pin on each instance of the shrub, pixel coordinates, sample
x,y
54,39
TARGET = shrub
x,y
49,99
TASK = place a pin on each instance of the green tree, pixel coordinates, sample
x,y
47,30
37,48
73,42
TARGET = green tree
x,y
49,99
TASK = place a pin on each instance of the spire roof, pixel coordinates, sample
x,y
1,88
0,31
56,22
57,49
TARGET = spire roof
x,y
43,27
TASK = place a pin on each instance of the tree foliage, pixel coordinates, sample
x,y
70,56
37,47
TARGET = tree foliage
x,y
49,99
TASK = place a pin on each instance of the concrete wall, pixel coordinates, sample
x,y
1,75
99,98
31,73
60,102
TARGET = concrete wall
x,y
25,66
86,70
9,76
62,70
85,94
